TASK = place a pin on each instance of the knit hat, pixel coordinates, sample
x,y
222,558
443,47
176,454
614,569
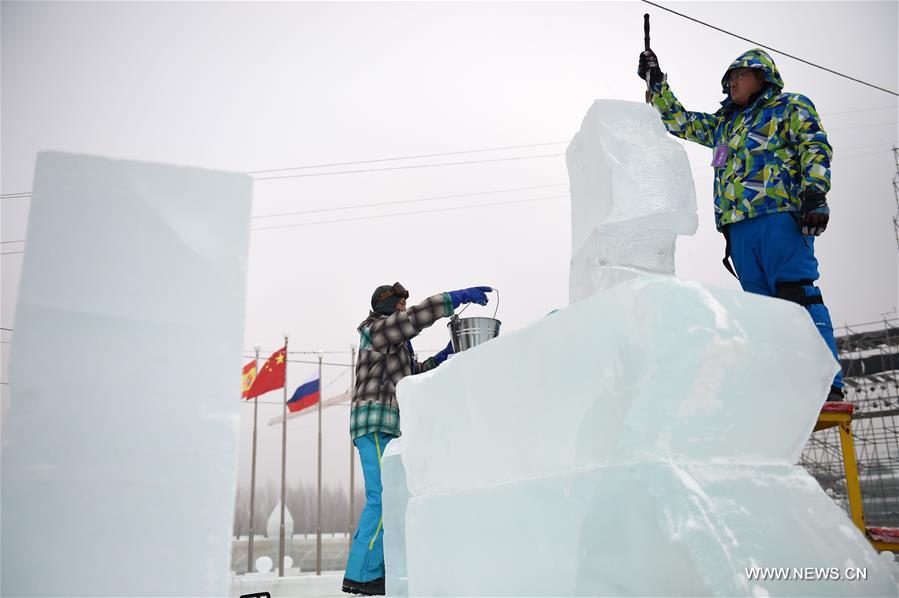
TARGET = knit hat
x,y
386,297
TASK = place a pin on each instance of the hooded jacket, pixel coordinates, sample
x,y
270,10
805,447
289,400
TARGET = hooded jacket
x,y
776,147
385,358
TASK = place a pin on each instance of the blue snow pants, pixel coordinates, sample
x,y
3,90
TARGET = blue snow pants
x,y
366,560
773,258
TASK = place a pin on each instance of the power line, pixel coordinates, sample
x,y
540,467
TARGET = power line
x,y
860,110
892,122
26,194
250,402
473,151
408,167
5,242
770,48
331,383
345,365
840,159
855,147
8,329
11,252
298,176
402,201
394,214
377,216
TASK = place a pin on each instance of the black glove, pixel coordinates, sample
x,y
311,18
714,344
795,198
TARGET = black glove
x,y
813,212
649,63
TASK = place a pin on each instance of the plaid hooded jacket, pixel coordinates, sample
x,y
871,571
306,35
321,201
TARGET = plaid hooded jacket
x,y
776,147
385,358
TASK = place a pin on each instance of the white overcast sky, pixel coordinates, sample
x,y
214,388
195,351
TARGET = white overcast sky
x,y
259,86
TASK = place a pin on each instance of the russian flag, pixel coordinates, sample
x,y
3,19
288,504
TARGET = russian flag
x,y
306,395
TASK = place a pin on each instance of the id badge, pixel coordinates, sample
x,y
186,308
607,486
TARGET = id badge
x,y
720,157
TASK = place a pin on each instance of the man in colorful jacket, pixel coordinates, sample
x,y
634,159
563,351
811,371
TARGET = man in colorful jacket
x,y
385,358
772,172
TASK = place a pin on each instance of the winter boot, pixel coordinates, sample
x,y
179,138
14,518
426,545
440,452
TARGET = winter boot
x,y
375,587
835,395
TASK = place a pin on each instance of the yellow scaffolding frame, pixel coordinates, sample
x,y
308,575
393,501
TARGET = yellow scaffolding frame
x,y
840,415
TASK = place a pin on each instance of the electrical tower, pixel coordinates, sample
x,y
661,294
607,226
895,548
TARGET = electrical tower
x,y
896,194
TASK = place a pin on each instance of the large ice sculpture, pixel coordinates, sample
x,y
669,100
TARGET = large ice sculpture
x,y
632,193
119,458
640,442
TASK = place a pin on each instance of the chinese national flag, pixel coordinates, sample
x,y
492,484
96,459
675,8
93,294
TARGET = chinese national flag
x,y
249,374
271,376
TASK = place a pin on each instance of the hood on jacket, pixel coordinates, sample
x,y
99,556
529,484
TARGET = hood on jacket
x,y
756,59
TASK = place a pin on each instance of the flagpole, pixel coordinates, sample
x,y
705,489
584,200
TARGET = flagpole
x,y
352,451
250,564
318,510
283,463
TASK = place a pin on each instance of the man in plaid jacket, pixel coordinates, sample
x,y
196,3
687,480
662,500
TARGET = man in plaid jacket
x,y
771,160
385,358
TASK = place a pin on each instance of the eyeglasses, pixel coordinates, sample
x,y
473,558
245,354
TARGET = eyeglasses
x,y
738,74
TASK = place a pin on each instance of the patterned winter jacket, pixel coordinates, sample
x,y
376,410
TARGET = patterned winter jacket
x,y
776,147
385,358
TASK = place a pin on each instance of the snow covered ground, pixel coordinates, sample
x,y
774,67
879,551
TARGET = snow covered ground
x,y
306,584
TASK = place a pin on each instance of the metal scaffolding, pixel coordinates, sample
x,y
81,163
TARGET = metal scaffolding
x,y
869,354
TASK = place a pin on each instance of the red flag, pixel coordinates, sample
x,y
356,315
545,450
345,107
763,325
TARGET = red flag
x,y
272,374
249,374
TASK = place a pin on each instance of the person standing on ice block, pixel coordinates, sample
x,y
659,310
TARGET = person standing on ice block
x,y
385,358
772,172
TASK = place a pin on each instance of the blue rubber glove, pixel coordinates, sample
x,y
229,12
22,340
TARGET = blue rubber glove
x,y
470,295
813,212
441,357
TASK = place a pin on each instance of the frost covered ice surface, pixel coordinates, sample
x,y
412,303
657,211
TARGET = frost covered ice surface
x,y
119,455
639,442
632,194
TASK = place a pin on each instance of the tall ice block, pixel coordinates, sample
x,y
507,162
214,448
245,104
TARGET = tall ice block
x,y
119,458
632,194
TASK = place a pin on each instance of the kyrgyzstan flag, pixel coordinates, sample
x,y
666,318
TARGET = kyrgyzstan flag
x,y
272,374
249,374
306,395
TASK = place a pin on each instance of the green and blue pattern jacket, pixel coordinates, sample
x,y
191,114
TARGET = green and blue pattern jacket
x,y
776,147
385,358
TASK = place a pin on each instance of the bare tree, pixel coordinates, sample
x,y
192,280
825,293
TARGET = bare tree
x,y
301,501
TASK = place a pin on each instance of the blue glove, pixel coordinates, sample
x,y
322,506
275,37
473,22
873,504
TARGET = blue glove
x,y
471,295
813,212
441,357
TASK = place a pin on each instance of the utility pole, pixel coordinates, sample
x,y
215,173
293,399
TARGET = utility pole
x,y
281,548
250,560
352,451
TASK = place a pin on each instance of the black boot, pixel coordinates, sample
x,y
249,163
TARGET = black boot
x,y
835,395
375,587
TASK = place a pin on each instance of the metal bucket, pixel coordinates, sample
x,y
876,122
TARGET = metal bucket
x,y
471,332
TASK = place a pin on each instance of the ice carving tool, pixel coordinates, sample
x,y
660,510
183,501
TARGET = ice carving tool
x,y
646,48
